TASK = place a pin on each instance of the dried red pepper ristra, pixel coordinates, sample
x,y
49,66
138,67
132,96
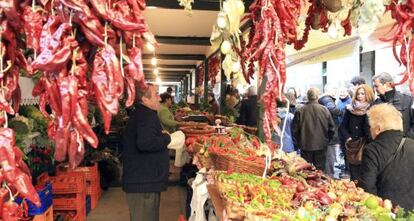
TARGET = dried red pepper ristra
x,y
9,36
33,23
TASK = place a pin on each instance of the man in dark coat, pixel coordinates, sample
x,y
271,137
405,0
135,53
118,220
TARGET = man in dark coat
x,y
395,180
248,109
145,158
383,85
312,128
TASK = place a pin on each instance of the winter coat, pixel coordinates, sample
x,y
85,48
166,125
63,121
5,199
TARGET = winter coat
x,y
248,112
145,156
402,103
396,181
329,102
312,127
341,105
354,126
285,115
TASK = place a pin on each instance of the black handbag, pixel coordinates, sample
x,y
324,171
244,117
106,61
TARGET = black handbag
x,y
354,150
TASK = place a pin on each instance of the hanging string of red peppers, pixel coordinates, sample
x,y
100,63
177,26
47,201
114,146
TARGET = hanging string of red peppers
x,y
84,51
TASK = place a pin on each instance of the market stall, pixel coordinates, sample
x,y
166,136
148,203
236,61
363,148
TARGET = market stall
x,y
76,64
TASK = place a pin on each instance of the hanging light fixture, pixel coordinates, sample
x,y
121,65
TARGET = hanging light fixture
x,y
156,71
154,61
158,80
150,47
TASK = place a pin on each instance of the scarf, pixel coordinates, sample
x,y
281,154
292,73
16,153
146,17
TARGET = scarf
x,y
358,108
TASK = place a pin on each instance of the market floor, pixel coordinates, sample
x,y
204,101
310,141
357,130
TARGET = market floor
x,y
113,205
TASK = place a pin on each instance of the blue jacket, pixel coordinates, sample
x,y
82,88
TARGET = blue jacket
x,y
341,105
284,114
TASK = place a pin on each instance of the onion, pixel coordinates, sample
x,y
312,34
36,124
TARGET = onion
x,y
225,47
240,7
222,20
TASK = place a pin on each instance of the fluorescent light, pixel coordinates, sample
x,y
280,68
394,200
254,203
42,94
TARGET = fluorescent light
x,y
150,47
154,61
158,80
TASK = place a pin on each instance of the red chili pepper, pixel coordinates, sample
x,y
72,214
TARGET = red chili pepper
x,y
76,150
23,184
62,138
80,122
10,211
33,22
53,95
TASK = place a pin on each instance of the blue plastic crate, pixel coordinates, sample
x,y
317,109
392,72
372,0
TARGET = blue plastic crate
x,y
46,199
88,203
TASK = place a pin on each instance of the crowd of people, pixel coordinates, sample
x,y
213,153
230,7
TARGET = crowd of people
x,y
375,137
368,132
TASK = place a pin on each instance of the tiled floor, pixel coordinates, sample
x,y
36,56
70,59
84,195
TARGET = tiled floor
x,y
113,205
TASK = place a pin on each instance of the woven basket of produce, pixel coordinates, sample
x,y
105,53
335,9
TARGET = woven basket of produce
x,y
192,131
221,161
235,210
196,147
254,166
205,161
192,124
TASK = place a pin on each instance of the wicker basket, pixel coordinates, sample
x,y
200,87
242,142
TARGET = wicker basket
x,y
197,130
235,210
241,165
221,162
205,161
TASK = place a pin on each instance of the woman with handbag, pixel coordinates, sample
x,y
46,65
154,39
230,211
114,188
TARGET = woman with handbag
x,y
355,129
388,161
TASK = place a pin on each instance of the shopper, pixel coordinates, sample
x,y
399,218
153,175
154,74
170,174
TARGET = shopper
x,y
167,119
248,109
328,100
354,127
214,105
344,100
312,128
286,123
145,158
388,161
290,95
384,86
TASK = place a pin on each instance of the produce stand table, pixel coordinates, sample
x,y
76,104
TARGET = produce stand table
x,y
218,202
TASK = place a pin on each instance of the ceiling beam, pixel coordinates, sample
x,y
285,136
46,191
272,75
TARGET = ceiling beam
x,y
181,73
171,66
197,57
175,40
208,5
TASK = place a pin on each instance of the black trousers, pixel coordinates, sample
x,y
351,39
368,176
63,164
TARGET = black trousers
x,y
144,206
317,158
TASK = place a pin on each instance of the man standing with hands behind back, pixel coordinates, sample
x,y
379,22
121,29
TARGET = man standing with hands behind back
x,y
146,160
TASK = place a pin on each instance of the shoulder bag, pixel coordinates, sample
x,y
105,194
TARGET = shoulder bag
x,y
354,150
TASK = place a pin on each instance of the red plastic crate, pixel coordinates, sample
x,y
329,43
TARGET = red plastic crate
x,y
69,202
64,184
46,216
90,172
73,215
